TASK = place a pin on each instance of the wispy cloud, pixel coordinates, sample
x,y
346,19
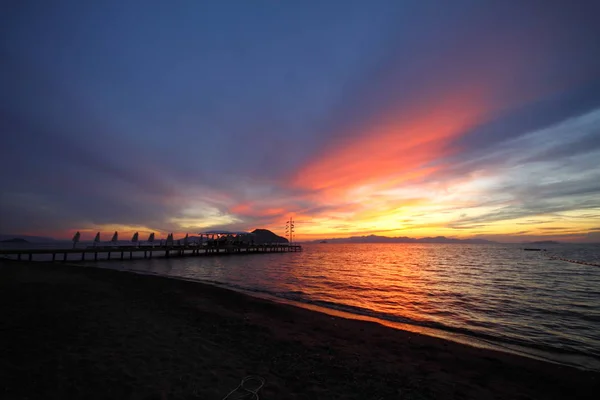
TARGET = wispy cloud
x,y
381,118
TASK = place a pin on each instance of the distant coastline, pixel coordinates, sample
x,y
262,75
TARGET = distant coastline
x,y
14,240
544,242
436,240
400,239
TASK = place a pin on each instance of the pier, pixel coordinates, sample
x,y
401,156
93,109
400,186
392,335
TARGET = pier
x,y
104,253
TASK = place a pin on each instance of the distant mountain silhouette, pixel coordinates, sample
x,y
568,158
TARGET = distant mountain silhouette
x,y
14,240
544,242
402,239
260,236
30,239
266,236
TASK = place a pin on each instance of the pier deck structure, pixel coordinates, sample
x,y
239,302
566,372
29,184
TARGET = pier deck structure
x,y
206,244
92,253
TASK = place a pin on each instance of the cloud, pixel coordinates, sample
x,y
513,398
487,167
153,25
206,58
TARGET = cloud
x,y
380,118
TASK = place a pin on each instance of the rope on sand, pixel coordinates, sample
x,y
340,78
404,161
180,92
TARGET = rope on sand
x,y
251,393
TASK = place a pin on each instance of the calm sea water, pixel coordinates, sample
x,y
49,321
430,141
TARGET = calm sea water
x,y
498,295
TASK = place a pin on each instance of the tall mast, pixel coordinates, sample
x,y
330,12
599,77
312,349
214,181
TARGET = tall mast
x,y
289,230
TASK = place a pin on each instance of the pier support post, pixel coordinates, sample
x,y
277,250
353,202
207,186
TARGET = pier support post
x,y
53,257
122,255
19,256
83,256
131,255
108,257
30,256
96,256
64,257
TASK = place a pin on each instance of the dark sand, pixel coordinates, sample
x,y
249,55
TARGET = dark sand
x,y
86,333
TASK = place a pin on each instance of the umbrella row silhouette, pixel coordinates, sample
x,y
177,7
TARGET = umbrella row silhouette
x,y
134,239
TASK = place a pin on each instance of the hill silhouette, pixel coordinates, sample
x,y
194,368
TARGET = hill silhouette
x,y
29,238
544,242
14,240
402,239
266,236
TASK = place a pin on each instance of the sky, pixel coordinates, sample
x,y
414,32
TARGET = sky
x,y
398,118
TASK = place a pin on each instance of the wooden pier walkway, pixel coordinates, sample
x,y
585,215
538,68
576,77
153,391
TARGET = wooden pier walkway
x,y
91,253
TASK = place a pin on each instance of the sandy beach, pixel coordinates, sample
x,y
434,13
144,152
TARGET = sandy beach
x,y
70,332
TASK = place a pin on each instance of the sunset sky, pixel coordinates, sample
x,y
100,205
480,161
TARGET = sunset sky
x,y
398,118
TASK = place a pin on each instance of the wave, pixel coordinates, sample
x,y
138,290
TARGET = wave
x,y
497,297
514,344
496,340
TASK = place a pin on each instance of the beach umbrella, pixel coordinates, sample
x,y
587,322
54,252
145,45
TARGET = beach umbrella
x,y
170,239
186,240
97,238
134,239
151,239
115,237
76,238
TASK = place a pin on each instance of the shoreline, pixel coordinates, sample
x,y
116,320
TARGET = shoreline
x,y
460,338
97,333
585,363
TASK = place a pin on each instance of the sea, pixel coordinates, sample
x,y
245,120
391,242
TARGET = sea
x,y
496,296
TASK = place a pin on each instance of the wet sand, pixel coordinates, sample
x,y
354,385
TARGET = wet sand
x,y
69,332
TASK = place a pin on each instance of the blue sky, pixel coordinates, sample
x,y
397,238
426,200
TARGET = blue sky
x,y
394,117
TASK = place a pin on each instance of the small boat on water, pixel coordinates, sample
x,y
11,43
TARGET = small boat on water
x,y
533,249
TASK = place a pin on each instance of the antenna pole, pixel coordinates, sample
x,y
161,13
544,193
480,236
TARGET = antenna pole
x,y
289,230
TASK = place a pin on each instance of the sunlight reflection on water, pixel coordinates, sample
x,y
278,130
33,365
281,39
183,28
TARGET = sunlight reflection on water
x,y
491,292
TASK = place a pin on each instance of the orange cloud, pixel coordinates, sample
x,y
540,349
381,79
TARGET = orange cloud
x,y
255,209
395,151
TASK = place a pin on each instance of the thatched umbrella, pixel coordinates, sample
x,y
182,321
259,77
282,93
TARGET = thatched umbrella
x,y
151,239
76,238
